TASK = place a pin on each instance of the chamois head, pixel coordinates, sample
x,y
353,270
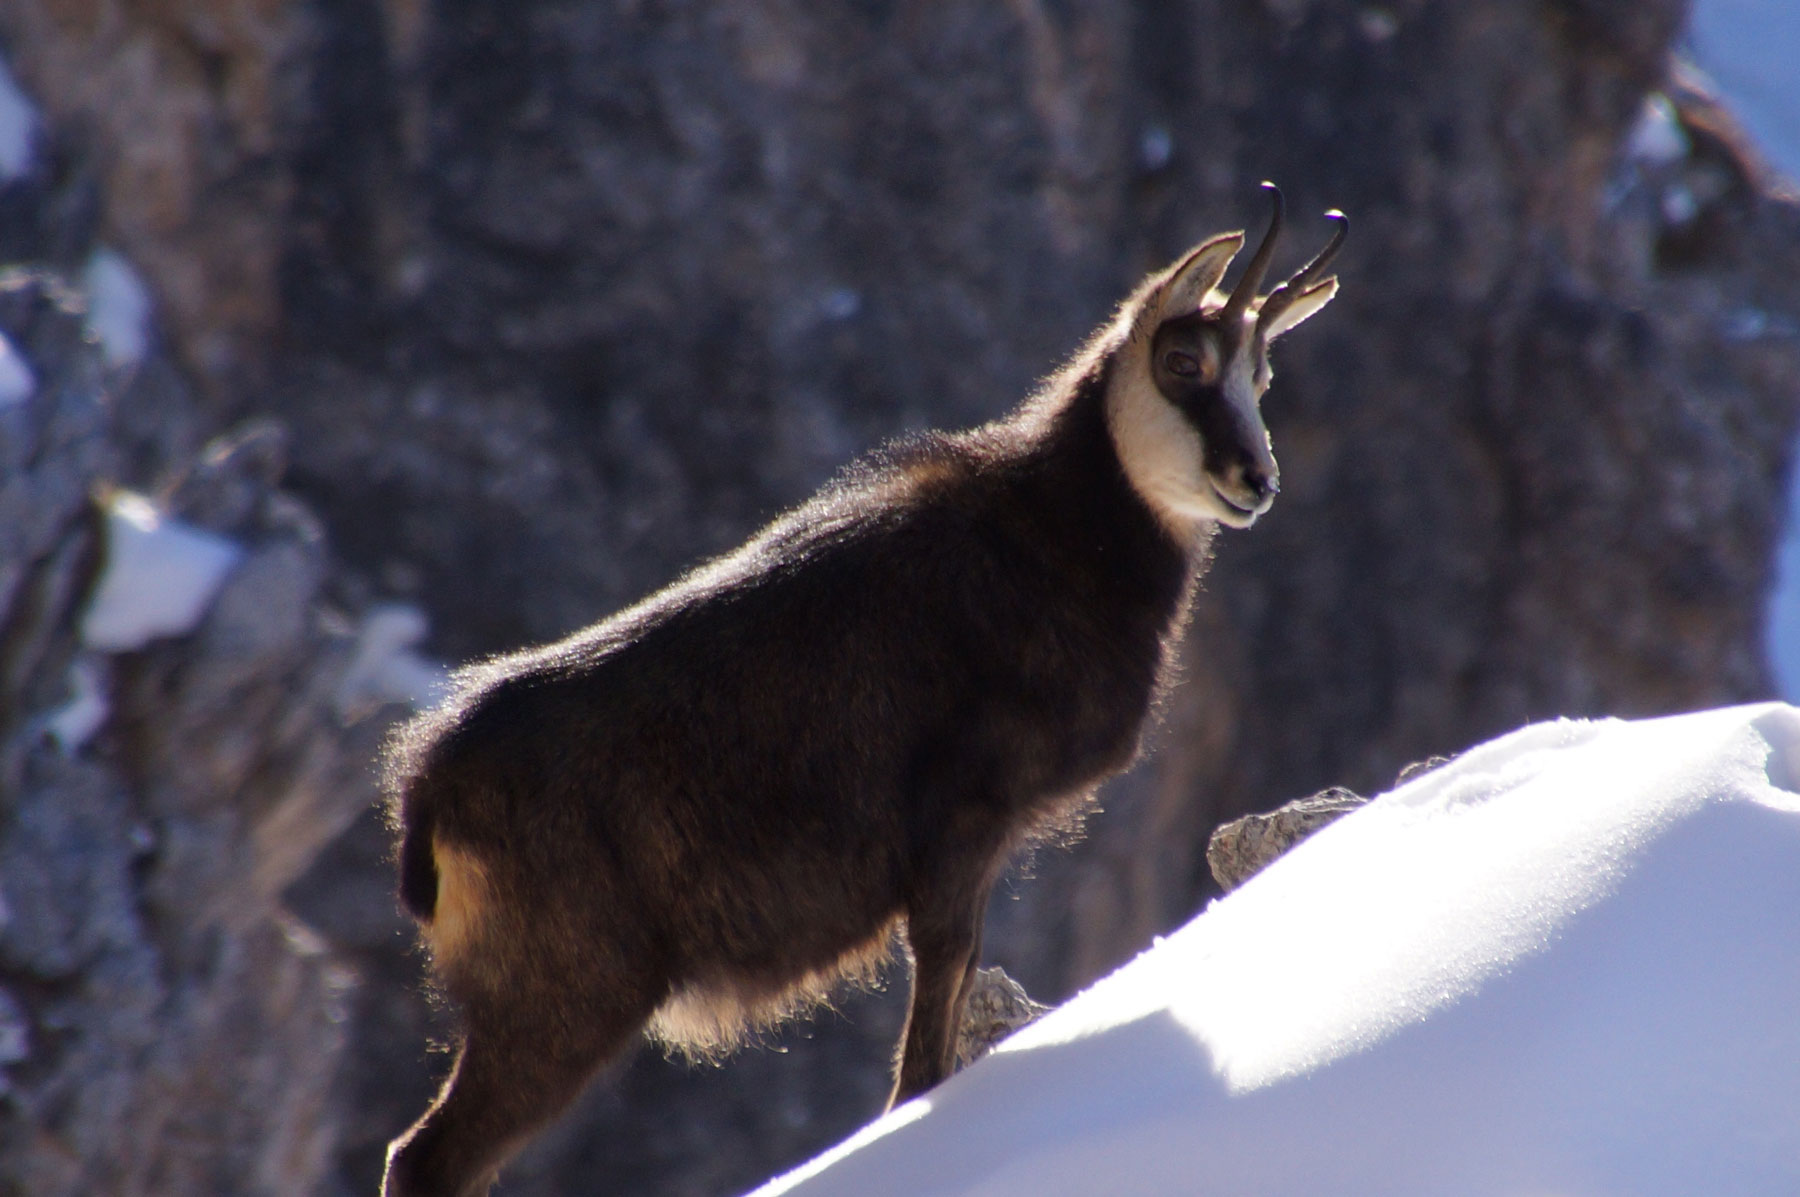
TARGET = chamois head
x,y
1197,449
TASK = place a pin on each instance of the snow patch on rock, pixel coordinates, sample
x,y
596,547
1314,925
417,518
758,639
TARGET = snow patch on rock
x,y
159,579
118,308
17,382
384,666
18,129
74,723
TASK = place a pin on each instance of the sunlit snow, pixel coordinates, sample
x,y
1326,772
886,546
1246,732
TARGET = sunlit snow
x,y
160,576
1564,963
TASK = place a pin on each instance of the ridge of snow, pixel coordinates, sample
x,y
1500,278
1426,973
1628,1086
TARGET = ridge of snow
x,y
1564,962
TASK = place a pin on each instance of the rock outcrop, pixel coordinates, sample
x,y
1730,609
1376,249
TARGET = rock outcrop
x,y
1244,847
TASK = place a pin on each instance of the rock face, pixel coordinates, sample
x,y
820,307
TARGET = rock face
x,y
165,1024
542,301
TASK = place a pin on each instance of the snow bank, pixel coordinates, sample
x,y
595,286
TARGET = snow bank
x,y
1565,963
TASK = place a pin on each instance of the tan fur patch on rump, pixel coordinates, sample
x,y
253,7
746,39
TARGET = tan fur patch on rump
x,y
463,898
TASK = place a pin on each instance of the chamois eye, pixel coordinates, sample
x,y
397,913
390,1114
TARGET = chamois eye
x,y
1184,364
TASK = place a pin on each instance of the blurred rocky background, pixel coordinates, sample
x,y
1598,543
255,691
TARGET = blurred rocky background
x,y
343,339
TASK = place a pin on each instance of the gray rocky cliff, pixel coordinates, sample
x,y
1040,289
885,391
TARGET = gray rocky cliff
x,y
166,1025
509,311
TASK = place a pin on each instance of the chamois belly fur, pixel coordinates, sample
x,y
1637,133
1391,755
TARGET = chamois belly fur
x,y
707,1019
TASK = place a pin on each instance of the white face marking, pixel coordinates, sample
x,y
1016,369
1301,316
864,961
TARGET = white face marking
x,y
1161,451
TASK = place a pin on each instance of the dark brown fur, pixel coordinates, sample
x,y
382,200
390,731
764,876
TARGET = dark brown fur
x,y
698,813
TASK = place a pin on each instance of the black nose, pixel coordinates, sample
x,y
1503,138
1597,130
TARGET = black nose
x,y
1263,486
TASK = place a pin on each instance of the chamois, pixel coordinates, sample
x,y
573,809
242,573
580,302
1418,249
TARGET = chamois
x,y
698,814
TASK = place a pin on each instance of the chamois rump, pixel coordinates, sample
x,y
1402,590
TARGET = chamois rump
x,y
697,815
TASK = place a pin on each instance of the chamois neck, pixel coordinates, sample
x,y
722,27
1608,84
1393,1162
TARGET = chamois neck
x,y
1079,484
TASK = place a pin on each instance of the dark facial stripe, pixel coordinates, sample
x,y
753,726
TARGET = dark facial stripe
x,y
1223,435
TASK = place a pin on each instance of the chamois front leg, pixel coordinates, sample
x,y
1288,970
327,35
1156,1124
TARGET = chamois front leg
x,y
946,946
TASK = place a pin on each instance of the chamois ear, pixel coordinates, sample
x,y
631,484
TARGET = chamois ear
x,y
1196,276
1305,304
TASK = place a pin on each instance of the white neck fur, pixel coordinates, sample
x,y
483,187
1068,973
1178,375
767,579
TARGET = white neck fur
x,y
1160,451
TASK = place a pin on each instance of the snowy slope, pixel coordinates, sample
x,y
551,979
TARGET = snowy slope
x,y
1568,962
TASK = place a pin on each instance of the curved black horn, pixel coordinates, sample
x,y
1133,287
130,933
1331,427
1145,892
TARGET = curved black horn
x,y
1282,297
1245,293
1315,269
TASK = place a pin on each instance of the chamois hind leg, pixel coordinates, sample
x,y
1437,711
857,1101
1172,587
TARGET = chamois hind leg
x,y
946,946
516,1069
548,993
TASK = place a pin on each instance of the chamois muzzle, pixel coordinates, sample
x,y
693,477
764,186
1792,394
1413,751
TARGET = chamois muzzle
x,y
1240,467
